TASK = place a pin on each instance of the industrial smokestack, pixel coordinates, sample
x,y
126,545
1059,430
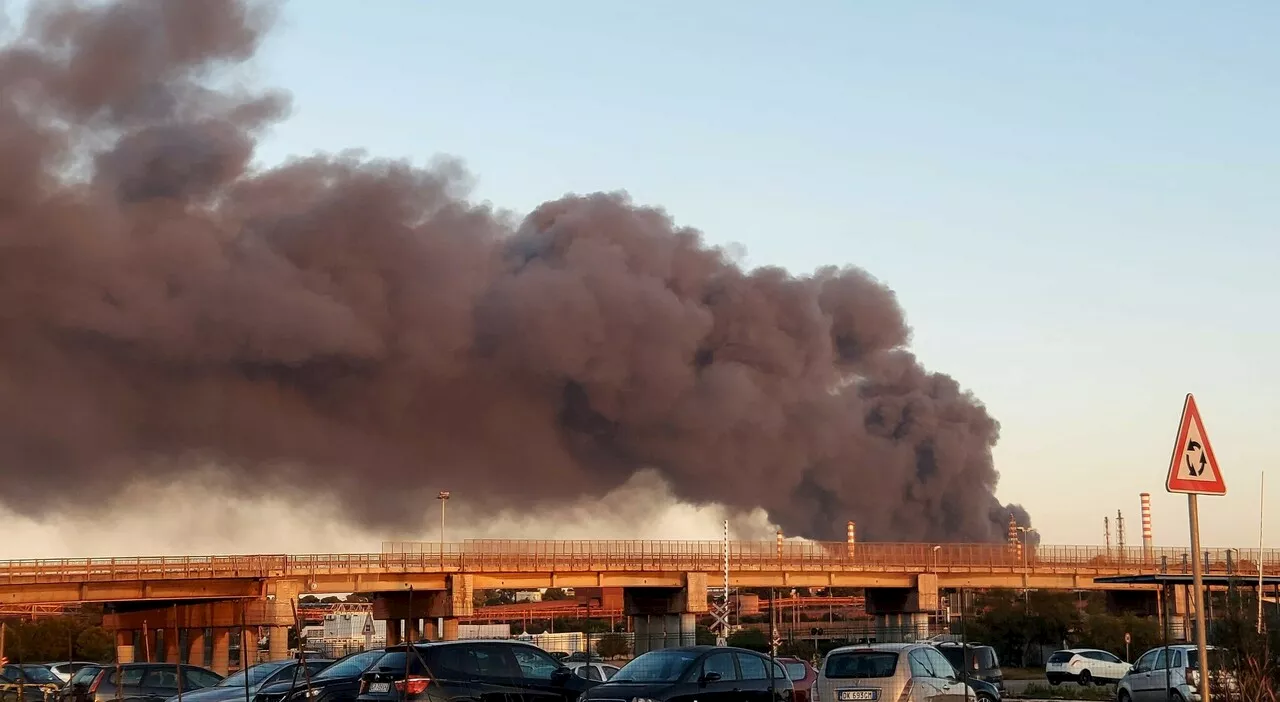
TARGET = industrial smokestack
x,y
1014,541
852,537
779,544
1148,548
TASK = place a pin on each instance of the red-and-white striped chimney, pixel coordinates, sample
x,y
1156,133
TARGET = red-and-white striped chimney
x,y
852,538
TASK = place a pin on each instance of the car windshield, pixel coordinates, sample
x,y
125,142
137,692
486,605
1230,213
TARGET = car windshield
x,y
656,666
862,664
350,667
796,671
257,674
39,674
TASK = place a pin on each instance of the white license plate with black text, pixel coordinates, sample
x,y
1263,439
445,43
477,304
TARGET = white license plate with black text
x,y
379,687
857,695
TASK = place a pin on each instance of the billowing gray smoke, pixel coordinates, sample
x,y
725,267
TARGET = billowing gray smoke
x,y
356,327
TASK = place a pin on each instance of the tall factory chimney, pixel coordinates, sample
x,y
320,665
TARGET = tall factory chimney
x,y
852,534
779,544
1148,549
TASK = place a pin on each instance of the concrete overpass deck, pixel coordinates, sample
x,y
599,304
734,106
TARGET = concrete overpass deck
x,y
533,564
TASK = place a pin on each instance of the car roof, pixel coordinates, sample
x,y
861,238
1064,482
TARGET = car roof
x,y
879,647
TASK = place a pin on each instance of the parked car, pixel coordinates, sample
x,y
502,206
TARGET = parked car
x,y
65,669
469,670
1084,666
157,681
975,660
983,690
711,673
888,673
338,682
1176,669
593,670
233,687
801,674
31,674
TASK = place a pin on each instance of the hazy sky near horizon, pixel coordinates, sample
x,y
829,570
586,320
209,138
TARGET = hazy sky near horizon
x,y
1075,202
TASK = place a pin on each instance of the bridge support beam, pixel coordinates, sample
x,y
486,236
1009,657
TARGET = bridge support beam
x,y
902,614
172,651
409,610
666,617
195,647
221,654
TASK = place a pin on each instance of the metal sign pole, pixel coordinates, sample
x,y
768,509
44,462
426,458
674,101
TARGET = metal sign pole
x,y
1197,578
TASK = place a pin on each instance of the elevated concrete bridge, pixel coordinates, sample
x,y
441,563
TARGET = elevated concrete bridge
x,y
415,585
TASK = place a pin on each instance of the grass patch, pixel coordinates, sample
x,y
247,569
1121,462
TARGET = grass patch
x,y
1068,692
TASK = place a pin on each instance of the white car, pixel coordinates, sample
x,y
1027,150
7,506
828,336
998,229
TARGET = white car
x,y
64,671
593,670
1084,666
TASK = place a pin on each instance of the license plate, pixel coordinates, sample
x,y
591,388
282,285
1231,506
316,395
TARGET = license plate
x,y
379,687
858,695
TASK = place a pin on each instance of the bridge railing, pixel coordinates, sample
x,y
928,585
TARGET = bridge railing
x,y
491,555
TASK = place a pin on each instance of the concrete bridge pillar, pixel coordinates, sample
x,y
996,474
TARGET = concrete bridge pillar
x,y
195,647
430,630
902,614
172,648
666,617
450,632
150,645
399,609
277,643
248,646
413,630
393,631
221,654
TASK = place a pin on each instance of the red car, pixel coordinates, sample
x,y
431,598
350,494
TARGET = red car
x,y
802,675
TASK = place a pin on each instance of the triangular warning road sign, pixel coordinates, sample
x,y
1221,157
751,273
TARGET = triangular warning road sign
x,y
1194,468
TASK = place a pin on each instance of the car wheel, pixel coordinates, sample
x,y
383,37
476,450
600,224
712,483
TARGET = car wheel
x,y
1055,682
984,697
1085,678
1175,696
1124,696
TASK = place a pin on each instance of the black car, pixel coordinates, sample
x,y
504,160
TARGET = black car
x,y
154,681
985,691
974,661
470,670
338,682
702,673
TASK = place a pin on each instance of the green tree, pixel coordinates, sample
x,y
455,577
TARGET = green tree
x,y
95,644
752,639
612,646
553,593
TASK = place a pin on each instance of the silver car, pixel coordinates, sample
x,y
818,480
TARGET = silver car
x,y
1177,670
889,673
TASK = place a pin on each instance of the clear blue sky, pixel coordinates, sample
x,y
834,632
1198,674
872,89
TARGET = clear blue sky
x,y
1077,202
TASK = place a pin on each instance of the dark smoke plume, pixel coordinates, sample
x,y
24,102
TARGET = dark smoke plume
x,y
358,327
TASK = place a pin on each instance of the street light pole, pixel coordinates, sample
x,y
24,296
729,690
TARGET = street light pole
x,y
1026,577
443,497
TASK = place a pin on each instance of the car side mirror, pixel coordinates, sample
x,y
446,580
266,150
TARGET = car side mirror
x,y
709,678
561,676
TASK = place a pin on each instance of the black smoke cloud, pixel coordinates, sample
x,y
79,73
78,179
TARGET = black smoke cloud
x,y
359,327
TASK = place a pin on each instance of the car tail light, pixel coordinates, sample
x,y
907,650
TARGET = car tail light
x,y
93,687
415,685
906,691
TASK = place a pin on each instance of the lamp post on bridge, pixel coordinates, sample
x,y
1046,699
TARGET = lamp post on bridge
x,y
1024,533
443,497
